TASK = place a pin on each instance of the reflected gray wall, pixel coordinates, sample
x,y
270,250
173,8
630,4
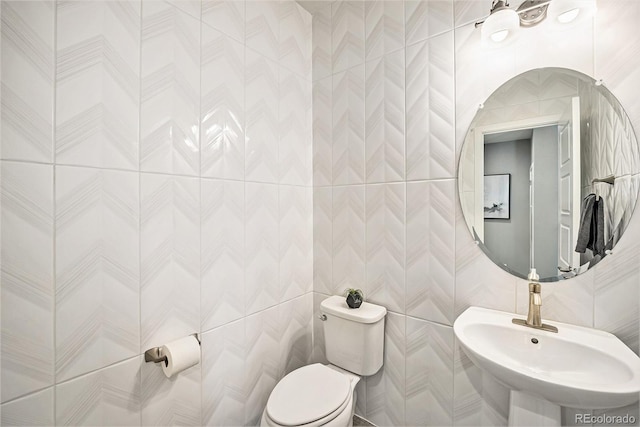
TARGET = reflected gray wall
x,y
504,237
545,188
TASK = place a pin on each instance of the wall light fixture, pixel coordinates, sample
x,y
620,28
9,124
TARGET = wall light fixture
x,y
503,21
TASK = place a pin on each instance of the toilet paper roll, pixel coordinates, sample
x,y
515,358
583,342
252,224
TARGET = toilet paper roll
x,y
181,354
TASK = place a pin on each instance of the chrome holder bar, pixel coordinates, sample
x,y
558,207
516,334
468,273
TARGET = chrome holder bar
x,y
154,354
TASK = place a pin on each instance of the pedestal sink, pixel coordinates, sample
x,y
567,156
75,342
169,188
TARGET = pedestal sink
x,y
576,367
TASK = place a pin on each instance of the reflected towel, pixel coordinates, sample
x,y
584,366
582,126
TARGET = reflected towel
x,y
586,221
591,231
596,243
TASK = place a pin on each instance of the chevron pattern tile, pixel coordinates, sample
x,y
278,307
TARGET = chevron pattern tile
x,y
318,354
28,67
347,34
469,57
297,330
110,396
556,85
615,45
295,135
97,269
222,254
262,26
262,127
467,386
478,281
27,293
348,100
430,109
169,119
263,366
262,286
429,373
425,19
479,399
468,11
226,16
295,39
169,250
322,132
222,106
384,27
582,54
361,404
98,84
571,303
321,39
430,265
384,119
171,402
223,375
523,90
616,285
386,389
192,7
295,241
36,409
349,228
385,245
323,241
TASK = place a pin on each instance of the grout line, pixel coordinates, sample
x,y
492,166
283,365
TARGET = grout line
x,y
200,283
54,212
140,86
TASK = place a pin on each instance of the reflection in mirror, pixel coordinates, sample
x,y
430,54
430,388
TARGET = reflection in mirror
x,y
549,173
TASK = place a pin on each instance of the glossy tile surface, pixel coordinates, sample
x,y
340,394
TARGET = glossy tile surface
x,y
28,77
97,269
98,84
169,118
170,258
27,278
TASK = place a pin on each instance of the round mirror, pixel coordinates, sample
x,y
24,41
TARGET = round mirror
x,y
549,174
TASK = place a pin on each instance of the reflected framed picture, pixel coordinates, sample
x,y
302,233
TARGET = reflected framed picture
x,y
497,196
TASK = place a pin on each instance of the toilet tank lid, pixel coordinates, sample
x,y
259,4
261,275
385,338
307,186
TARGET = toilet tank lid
x,y
367,313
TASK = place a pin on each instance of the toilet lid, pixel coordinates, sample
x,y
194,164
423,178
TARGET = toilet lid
x,y
307,394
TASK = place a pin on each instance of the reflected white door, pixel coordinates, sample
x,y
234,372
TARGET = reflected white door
x,y
569,194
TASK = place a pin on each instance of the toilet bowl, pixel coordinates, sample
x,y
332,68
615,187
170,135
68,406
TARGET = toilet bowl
x,y
314,395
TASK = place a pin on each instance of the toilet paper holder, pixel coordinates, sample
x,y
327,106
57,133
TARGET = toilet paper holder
x,y
154,354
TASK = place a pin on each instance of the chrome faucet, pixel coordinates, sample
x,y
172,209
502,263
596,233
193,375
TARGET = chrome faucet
x,y
534,319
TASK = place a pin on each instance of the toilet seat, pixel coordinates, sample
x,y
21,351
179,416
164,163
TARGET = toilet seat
x,y
311,394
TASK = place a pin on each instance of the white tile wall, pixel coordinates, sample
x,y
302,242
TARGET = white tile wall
x,y
169,120
28,74
98,83
193,118
391,206
156,181
27,278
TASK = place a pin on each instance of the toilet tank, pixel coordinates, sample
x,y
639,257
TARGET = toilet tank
x,y
354,337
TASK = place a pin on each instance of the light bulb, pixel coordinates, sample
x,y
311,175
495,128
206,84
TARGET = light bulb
x,y
568,16
498,26
568,11
499,36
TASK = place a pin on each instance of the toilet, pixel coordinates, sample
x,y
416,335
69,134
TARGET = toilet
x,y
324,395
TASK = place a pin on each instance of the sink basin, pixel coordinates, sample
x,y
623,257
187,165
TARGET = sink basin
x,y
576,367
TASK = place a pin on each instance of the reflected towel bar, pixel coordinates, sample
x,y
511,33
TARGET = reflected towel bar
x,y
609,180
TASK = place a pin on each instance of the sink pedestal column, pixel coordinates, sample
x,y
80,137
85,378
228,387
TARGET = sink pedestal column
x,y
528,410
